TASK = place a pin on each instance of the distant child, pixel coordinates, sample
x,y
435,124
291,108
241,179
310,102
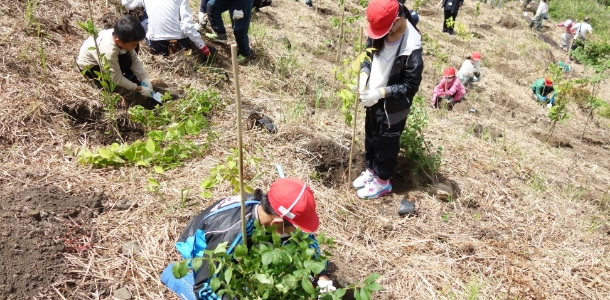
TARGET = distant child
x,y
471,69
566,37
543,9
450,88
542,88
118,46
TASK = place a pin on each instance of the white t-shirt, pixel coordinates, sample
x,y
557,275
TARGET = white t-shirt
x,y
583,30
543,8
382,65
168,20
468,68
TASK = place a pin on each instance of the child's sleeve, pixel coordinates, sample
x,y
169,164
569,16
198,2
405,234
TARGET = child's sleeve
x,y
136,66
114,68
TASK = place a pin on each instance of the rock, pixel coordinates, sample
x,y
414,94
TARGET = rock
x,y
532,7
130,248
284,40
406,208
125,204
441,191
122,293
34,214
43,214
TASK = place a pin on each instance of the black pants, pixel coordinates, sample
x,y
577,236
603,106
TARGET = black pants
x,y
381,142
124,64
449,14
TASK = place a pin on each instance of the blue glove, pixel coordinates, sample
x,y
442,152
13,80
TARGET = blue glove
x,y
543,98
552,100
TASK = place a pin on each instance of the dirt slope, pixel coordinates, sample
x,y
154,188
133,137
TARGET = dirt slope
x,y
528,220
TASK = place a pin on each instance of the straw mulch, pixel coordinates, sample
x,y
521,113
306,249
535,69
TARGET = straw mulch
x,y
529,220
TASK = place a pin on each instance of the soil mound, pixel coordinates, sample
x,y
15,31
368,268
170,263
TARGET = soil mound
x,y
36,225
331,160
508,22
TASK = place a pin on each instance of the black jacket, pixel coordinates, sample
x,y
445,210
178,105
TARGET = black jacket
x,y
455,8
405,76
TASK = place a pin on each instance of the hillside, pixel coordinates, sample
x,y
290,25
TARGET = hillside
x,y
528,219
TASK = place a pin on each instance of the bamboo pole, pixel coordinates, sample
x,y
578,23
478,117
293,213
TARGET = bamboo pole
x,y
355,120
242,197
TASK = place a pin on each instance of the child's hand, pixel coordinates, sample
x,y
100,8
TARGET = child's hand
x,y
146,92
148,83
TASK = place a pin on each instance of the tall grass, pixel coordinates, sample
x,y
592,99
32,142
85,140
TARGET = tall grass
x,y
598,11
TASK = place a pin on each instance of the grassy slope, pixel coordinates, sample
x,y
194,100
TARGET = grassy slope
x,y
526,224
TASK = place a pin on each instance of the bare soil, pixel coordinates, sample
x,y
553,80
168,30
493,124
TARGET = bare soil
x,y
37,225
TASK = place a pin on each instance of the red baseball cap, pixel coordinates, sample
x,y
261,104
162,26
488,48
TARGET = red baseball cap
x,y
449,72
476,55
293,201
548,81
381,15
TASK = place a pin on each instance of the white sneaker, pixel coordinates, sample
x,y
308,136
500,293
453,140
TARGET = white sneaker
x,y
374,189
364,178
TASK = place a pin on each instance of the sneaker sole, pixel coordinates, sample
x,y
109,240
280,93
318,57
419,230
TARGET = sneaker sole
x,y
381,193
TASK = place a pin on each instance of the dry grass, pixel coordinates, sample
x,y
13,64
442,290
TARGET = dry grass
x,y
526,223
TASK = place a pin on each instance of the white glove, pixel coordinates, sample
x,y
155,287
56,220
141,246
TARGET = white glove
x,y
326,286
238,14
146,92
369,98
201,17
147,82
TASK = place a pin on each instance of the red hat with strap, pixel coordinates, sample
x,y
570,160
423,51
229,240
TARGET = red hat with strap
x,y
449,72
548,82
381,15
293,201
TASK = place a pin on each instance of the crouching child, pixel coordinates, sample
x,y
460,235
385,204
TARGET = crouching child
x,y
542,89
470,71
118,46
450,89
288,204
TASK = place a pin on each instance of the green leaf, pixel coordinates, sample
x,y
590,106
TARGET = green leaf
x,y
150,146
214,283
339,293
372,278
262,278
374,286
221,248
153,182
228,275
196,263
180,269
308,286
158,169
267,258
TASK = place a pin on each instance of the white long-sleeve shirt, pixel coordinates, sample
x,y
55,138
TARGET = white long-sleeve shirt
x,y
87,57
543,8
582,30
468,68
168,20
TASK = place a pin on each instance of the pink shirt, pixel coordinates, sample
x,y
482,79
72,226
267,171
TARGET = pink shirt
x,y
455,88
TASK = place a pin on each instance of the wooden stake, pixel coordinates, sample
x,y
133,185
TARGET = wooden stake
x,y
341,32
242,196
355,120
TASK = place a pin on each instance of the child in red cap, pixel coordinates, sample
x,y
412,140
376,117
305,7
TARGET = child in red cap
x,y
289,204
470,71
542,88
450,88
389,80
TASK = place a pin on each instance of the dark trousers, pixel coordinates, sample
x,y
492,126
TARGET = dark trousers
x,y
124,64
203,6
381,142
449,14
162,47
240,27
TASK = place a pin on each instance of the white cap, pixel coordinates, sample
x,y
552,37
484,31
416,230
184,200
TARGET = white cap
x,y
567,23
